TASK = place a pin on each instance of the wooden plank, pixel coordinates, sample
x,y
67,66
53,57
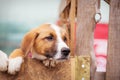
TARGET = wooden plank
x,y
100,76
72,26
113,58
85,26
82,68
63,5
85,30
72,68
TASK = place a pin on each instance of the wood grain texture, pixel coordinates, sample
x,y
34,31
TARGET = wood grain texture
x,y
85,26
85,31
113,58
82,68
72,26
34,70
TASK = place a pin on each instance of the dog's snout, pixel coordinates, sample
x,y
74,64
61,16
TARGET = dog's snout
x,y
65,51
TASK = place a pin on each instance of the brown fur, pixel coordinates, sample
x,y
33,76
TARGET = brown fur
x,y
42,45
33,69
35,41
16,53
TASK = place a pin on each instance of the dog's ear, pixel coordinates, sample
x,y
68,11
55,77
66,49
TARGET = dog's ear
x,y
28,41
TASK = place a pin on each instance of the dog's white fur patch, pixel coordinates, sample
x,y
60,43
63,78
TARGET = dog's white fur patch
x,y
15,65
60,42
38,56
3,61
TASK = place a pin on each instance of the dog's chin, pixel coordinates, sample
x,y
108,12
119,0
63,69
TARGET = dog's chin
x,y
62,59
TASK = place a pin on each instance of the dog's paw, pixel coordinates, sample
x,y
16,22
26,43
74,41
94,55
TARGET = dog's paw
x,y
3,61
49,63
14,65
46,62
53,63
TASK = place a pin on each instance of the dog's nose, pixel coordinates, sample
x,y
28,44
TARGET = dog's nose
x,y
65,51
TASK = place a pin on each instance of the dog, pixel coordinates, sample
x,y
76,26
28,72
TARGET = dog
x,y
48,43
3,61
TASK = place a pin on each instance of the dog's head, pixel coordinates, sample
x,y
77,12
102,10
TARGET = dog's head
x,y
47,41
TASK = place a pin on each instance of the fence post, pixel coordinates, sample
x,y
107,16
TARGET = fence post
x,y
113,58
85,28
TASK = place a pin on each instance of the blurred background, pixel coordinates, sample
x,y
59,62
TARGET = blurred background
x,y
19,16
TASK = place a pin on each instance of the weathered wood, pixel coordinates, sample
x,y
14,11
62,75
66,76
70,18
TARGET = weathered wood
x,y
63,5
85,30
72,17
85,26
82,68
100,76
34,70
113,58
72,68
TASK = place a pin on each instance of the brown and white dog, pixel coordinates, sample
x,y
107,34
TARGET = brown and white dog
x,y
47,42
3,61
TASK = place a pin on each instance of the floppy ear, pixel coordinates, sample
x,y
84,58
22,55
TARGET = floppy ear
x,y
28,41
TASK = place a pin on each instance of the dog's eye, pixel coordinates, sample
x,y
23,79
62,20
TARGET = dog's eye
x,y
65,39
49,38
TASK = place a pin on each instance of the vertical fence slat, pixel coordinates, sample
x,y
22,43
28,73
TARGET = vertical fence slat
x,y
113,58
85,26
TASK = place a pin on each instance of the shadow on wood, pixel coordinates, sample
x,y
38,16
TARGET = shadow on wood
x,y
34,70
